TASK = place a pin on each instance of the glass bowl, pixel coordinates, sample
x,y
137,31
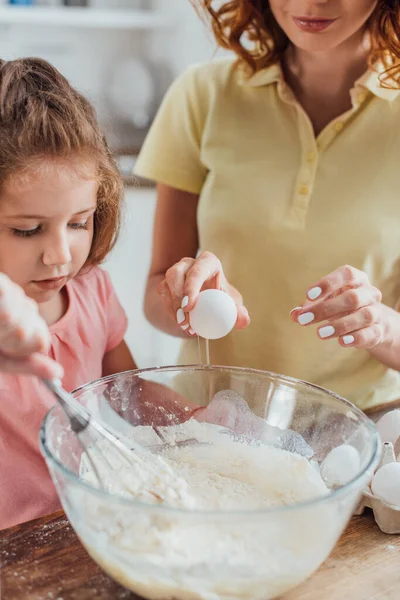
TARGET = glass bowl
x,y
164,552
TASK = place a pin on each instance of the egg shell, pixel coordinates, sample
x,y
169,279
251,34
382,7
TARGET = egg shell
x,y
388,426
341,465
214,315
386,483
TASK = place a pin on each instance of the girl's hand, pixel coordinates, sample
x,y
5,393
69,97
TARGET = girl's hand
x,y
345,305
186,279
24,335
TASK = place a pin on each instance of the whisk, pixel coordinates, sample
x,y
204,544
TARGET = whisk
x,y
98,441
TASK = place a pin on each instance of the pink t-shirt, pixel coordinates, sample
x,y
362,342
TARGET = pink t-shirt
x,y
93,324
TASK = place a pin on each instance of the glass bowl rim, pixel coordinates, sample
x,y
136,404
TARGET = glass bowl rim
x,y
335,494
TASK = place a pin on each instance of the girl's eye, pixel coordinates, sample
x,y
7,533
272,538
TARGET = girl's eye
x,y
30,232
25,232
79,225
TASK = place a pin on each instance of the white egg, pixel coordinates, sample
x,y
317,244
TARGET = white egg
x,y
214,315
386,483
341,465
388,426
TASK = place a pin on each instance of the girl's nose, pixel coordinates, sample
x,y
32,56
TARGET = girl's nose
x,y
57,250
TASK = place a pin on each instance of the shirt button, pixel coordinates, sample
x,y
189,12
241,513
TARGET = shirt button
x,y
304,190
338,126
311,156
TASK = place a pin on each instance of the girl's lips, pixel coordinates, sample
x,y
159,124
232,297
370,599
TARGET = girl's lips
x,y
310,25
51,284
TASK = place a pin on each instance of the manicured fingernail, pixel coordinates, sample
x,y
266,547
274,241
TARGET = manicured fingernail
x,y
184,327
185,302
192,332
180,316
295,308
348,339
326,331
246,312
306,318
314,293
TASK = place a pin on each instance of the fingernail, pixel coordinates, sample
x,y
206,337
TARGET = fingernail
x,y
348,339
184,327
306,318
326,331
314,293
295,308
185,302
192,332
59,372
180,316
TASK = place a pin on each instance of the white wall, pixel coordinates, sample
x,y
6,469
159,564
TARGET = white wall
x,y
128,266
189,42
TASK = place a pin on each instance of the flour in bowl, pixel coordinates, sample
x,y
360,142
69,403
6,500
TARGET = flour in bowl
x,y
221,538
219,470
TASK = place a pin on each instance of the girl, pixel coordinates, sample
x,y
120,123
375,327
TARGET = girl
x,y
60,203
283,164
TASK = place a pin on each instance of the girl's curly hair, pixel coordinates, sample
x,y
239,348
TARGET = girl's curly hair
x,y
235,21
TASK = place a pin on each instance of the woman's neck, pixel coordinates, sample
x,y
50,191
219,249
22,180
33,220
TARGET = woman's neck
x,y
322,81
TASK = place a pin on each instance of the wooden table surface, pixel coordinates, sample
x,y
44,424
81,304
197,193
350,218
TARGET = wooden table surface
x,y
44,560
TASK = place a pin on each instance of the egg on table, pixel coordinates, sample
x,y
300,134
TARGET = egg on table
x,y
386,483
388,426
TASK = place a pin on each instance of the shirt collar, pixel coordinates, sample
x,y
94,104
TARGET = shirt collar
x,y
266,76
370,80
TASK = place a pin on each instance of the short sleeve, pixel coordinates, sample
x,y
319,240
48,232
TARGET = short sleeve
x,y
171,153
116,318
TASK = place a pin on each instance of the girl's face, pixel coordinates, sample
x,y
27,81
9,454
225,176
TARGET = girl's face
x,y
46,226
315,25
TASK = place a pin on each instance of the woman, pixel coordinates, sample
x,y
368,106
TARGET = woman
x,y
284,165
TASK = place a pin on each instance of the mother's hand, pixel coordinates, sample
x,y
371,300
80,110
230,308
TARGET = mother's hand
x,y
348,307
186,279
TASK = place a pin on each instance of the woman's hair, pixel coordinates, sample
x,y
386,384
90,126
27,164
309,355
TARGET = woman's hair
x,y
249,29
43,118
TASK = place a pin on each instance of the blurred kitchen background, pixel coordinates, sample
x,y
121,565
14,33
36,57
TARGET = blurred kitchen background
x,y
123,55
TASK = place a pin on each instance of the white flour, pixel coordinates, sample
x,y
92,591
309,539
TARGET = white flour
x,y
162,553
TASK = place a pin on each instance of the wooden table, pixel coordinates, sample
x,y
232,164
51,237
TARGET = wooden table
x,y
44,560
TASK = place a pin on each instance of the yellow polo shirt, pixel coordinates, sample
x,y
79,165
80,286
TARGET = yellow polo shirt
x,y
281,208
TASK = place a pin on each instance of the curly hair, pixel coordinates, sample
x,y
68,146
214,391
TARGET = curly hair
x,y
42,117
234,21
